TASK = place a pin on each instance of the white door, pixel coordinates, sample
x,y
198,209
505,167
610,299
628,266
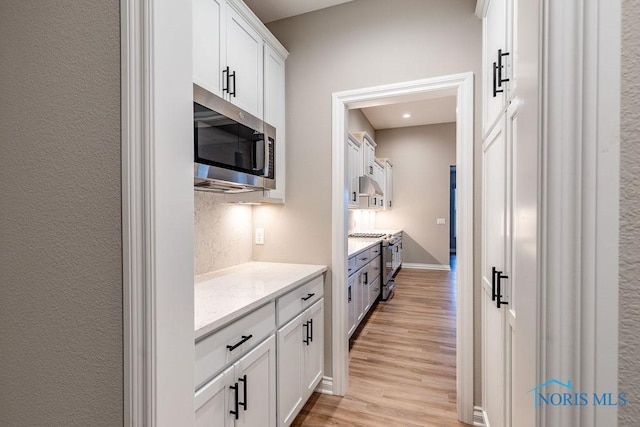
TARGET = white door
x,y
245,60
313,348
274,114
361,293
494,271
353,172
214,401
256,377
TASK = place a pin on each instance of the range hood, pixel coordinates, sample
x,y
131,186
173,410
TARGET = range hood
x,y
369,187
219,180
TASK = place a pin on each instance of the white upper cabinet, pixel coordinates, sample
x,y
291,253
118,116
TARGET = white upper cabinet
x,y
209,44
243,72
388,185
354,167
274,114
368,156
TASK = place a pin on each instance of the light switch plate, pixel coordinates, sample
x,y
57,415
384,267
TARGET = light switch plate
x,y
441,221
259,236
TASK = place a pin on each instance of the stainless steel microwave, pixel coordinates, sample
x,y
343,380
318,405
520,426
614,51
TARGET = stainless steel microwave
x,y
234,150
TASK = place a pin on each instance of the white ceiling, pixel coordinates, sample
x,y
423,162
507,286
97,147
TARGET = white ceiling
x,y
272,10
423,112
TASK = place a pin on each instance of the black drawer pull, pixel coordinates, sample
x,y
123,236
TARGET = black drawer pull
x,y
499,301
307,297
244,339
349,294
310,329
237,411
364,259
243,380
354,196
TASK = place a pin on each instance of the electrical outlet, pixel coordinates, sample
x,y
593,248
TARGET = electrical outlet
x,y
440,221
259,236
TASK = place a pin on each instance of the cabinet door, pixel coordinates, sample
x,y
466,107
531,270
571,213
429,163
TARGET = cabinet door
x,y
313,350
245,60
214,401
374,291
274,114
256,377
352,287
290,347
363,294
209,46
494,27
388,186
368,156
494,235
353,173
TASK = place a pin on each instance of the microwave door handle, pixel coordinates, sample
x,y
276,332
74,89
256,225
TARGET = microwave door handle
x,y
266,171
257,164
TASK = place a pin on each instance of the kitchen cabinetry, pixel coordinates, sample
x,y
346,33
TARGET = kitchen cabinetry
x,y
388,185
243,394
274,114
368,155
227,54
354,170
300,359
238,59
363,285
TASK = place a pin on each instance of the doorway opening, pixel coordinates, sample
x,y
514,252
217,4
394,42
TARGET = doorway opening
x,y
462,86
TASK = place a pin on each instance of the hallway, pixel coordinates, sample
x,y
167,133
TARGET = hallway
x,y
402,363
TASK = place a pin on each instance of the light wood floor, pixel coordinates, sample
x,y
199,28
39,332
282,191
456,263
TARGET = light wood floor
x,y
403,362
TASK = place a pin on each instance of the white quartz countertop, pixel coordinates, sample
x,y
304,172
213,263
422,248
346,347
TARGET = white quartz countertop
x,y
225,295
355,245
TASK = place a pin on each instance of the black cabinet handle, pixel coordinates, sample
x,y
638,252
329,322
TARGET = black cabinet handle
x,y
366,278
237,411
311,330
501,66
349,294
244,339
233,76
389,203
307,297
363,259
354,196
370,170
499,301
306,339
496,91
493,283
243,380
225,80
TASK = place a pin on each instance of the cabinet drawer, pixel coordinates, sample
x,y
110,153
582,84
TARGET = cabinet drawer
x,y
374,268
293,303
362,259
351,266
226,345
374,251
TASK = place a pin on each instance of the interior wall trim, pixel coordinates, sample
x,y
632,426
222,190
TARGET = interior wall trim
x,y
341,102
419,266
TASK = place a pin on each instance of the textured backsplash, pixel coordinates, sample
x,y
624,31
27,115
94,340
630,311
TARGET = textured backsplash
x,y
222,233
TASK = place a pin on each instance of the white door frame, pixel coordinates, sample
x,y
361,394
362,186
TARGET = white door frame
x,y
341,102
157,212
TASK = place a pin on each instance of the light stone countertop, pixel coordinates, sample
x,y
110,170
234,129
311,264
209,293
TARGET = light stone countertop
x,y
355,245
225,295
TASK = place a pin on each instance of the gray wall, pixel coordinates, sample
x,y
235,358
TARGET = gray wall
x,y
355,45
421,157
358,122
61,347
629,326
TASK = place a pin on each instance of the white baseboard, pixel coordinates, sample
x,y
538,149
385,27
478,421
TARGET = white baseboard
x,y
417,266
325,386
479,419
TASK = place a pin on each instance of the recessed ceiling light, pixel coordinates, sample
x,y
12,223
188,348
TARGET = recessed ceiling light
x,y
406,115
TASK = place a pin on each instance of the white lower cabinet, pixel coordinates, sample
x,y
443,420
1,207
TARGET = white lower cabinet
x,y
300,361
363,285
243,394
351,303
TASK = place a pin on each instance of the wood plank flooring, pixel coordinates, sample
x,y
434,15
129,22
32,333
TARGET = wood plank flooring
x,y
402,363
